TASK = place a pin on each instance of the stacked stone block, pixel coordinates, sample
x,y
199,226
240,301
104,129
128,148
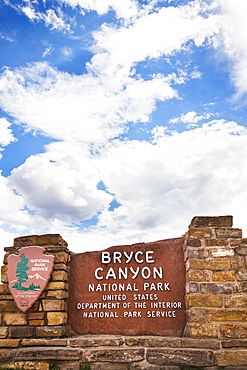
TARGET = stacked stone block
x,y
216,279
48,316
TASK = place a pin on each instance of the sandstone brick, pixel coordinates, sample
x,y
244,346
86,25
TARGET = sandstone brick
x,y
231,357
4,331
200,233
216,242
36,322
202,343
234,242
60,275
193,242
145,341
53,239
126,355
244,287
61,257
228,233
220,288
51,331
199,276
205,300
53,305
36,315
15,319
96,341
236,301
230,343
57,294
9,343
8,306
237,263
242,250
192,287
202,330
222,252
30,365
44,342
5,355
223,276
227,315
4,288
196,315
204,288
37,353
196,253
57,318
20,332
241,275
211,221
57,285
185,356
233,330
214,264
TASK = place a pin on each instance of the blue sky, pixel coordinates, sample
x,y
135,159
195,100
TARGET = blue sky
x,y
121,120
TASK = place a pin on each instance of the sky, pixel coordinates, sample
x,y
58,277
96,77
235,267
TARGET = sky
x,y
121,120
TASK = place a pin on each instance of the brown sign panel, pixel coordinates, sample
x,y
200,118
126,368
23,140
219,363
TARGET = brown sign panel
x,y
28,275
130,290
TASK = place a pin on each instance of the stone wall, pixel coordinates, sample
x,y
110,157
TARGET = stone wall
x,y
48,316
216,316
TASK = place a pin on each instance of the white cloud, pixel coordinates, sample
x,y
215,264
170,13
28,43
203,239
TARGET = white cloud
x,y
190,117
6,135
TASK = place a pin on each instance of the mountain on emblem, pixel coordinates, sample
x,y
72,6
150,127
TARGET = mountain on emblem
x,y
28,275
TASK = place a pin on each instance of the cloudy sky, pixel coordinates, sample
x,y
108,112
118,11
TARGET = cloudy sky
x,y
121,120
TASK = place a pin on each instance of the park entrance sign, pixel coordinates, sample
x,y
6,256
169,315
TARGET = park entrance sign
x,y
130,290
28,274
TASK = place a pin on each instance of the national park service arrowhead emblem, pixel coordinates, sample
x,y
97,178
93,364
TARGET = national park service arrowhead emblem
x,y
28,275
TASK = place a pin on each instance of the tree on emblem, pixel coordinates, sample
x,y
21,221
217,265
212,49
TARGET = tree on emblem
x,y
21,272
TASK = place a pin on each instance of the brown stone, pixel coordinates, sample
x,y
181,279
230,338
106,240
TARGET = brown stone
x,y
214,264
233,330
220,288
196,315
4,331
4,288
215,242
51,331
20,332
236,301
231,358
202,343
60,275
53,305
61,257
193,242
57,318
196,253
48,354
227,315
5,355
8,306
146,341
192,287
30,365
200,233
44,342
61,266
204,300
54,239
57,285
242,250
241,275
144,316
186,356
15,319
230,343
126,355
218,221
96,341
224,276
201,330
9,343
228,233
199,276
237,263
57,294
